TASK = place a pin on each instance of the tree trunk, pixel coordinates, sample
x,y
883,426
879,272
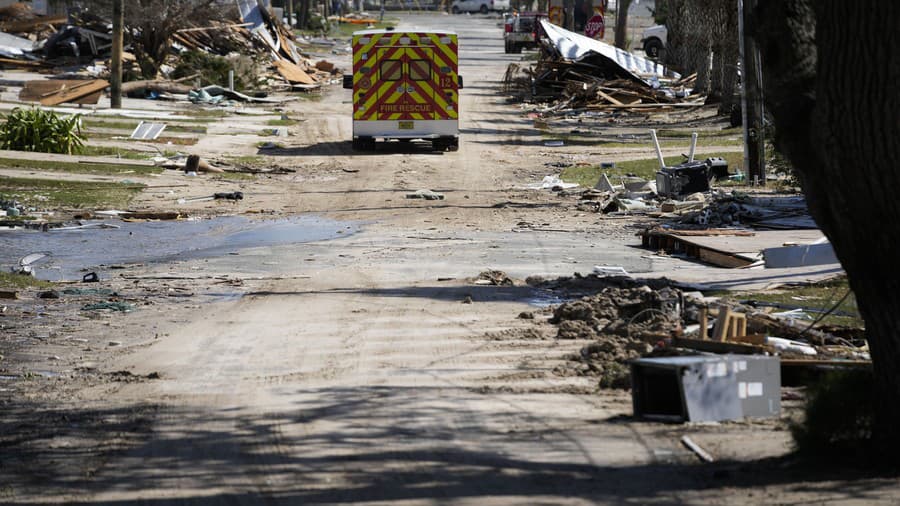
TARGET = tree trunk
x,y
830,77
303,15
622,24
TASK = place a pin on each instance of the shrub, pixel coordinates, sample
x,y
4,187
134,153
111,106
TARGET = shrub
x,y
43,131
212,69
839,414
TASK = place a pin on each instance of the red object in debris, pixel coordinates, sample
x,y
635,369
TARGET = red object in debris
x,y
595,27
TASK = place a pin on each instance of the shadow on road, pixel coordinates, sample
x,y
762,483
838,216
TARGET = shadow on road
x,y
363,444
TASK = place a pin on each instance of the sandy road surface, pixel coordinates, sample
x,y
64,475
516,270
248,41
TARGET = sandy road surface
x,y
361,377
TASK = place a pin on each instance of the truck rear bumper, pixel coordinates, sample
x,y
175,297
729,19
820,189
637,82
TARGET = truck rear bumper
x,y
421,129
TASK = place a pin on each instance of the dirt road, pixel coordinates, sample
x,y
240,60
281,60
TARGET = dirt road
x,y
368,369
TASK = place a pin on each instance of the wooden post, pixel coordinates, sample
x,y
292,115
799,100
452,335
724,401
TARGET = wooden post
x,y
752,108
115,70
703,324
289,9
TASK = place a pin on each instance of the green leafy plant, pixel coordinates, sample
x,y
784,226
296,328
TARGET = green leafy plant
x,y
43,131
839,415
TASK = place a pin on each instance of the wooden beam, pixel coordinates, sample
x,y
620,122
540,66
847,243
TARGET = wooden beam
x,y
67,95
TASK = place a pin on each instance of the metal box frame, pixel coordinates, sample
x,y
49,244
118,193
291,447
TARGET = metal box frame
x,y
706,388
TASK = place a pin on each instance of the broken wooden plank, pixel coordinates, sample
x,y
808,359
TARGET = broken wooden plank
x,y
214,28
23,63
756,339
609,98
722,259
713,232
292,73
719,347
697,449
33,91
69,94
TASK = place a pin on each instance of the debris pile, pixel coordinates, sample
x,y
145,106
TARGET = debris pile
x,y
259,49
579,73
628,318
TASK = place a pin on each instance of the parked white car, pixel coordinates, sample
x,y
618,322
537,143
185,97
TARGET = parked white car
x,y
482,6
654,40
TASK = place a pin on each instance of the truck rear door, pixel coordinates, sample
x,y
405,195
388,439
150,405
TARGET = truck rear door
x,y
406,91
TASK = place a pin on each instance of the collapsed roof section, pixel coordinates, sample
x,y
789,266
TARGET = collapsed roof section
x,y
578,48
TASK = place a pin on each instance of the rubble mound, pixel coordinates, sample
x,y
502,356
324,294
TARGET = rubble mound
x,y
494,278
624,323
630,312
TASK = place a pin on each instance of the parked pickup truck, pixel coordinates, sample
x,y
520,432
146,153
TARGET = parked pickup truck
x,y
522,30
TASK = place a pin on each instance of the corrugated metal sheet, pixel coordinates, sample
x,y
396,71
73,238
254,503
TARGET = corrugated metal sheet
x,y
576,47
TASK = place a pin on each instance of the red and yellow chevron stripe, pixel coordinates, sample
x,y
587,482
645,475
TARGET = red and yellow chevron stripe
x,y
405,76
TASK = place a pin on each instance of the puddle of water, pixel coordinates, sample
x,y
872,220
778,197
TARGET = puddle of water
x,y
544,299
48,374
72,252
224,297
8,378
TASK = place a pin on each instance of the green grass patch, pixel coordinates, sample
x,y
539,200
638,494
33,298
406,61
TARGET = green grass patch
x,y
129,127
235,176
52,193
129,154
821,296
271,145
703,134
645,168
80,168
9,281
203,114
114,125
177,141
282,122
585,139
250,160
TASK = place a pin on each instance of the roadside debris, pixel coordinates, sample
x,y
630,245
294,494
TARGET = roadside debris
x,y
626,319
248,36
577,73
426,195
697,449
26,263
123,307
494,278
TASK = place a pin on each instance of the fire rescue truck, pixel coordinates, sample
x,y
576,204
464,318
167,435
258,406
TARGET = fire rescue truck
x,y
405,86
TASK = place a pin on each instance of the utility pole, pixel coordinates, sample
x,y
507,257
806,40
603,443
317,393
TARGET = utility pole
x,y
569,8
290,13
115,69
752,109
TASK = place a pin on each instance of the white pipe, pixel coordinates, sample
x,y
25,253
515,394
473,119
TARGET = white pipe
x,y
693,146
659,156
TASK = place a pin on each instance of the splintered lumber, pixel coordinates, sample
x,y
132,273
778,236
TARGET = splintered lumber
x,y
697,449
74,93
215,28
33,91
719,346
22,63
293,73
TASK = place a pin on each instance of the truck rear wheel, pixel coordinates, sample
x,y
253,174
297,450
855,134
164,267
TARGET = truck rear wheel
x,y
364,144
445,144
